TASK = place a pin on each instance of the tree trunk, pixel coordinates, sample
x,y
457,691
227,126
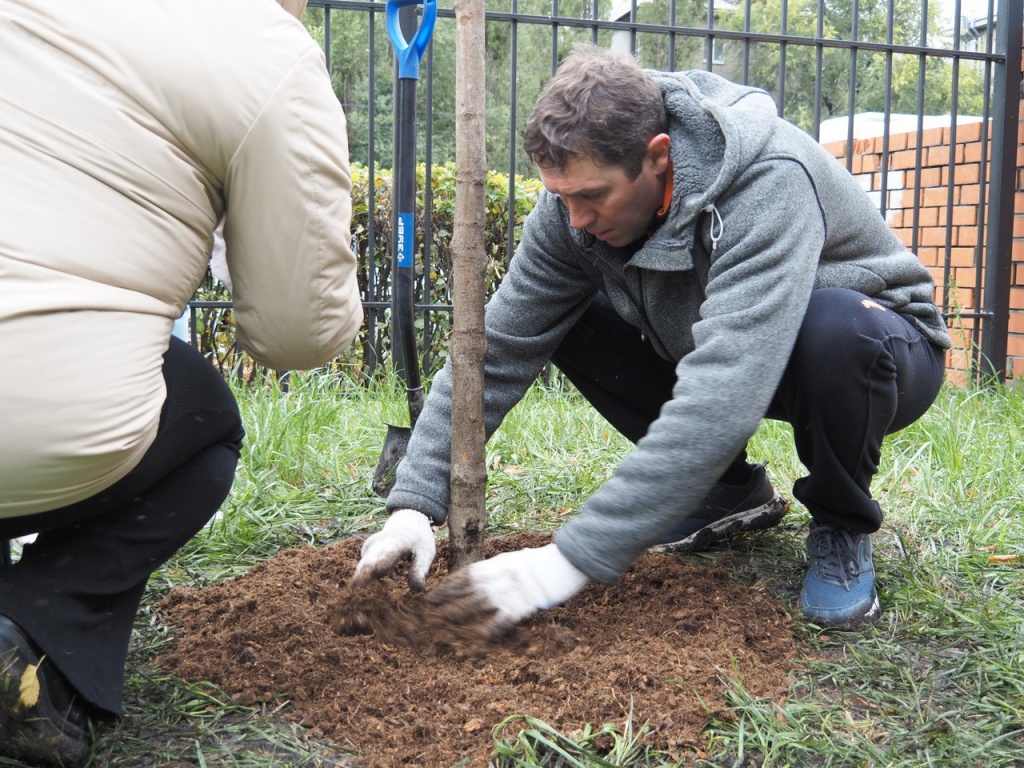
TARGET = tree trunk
x,y
467,517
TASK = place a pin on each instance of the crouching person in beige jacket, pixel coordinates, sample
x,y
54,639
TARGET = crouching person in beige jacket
x,y
128,129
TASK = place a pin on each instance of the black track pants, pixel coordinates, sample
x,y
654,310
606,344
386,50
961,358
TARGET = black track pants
x,y
857,373
76,589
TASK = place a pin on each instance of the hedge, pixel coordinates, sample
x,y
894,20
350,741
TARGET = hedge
x,y
214,326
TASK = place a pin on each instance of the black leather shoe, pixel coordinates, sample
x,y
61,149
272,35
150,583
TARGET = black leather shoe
x,y
42,719
727,510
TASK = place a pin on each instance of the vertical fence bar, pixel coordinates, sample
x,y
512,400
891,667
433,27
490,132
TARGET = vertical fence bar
x,y
554,37
819,56
632,29
951,171
998,252
951,166
983,171
709,39
327,37
883,169
513,133
783,29
672,35
374,340
922,61
746,40
851,100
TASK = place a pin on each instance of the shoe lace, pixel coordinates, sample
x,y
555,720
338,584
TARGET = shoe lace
x,y
835,554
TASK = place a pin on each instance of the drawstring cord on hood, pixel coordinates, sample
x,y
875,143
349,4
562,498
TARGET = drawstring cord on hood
x,y
717,225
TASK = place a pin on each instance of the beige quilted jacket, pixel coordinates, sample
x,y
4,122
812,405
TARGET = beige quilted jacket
x,y
127,129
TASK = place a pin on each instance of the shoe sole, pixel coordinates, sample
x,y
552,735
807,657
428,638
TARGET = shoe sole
x,y
44,736
872,613
758,519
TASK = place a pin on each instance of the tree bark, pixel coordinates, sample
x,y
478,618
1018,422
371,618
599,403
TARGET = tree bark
x,y
467,517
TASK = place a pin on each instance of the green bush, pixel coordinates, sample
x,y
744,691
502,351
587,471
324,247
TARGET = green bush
x,y
371,239
433,257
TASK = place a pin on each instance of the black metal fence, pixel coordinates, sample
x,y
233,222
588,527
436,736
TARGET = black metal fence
x,y
903,62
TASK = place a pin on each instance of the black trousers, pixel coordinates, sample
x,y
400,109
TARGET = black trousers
x,y
76,589
857,373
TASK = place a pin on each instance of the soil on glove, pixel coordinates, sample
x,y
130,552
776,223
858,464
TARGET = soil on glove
x,y
375,671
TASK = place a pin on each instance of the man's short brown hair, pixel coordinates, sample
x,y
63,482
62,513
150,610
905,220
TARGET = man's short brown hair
x,y
599,104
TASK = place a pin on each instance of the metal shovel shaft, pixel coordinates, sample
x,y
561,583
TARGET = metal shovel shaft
x,y
403,277
403,306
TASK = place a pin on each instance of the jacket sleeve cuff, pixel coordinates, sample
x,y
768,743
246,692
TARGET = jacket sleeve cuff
x,y
436,513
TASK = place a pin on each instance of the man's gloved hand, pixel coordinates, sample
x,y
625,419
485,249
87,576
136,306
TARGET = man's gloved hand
x,y
405,536
502,591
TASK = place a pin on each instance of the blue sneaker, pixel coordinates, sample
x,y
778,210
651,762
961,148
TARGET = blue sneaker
x,y
727,510
839,589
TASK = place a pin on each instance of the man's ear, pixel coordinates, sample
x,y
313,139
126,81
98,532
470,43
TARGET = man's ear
x,y
657,151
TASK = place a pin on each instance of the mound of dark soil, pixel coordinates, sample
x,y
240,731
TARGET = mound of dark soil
x,y
374,671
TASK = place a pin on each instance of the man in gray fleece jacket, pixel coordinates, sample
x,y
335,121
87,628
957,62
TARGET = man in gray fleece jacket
x,y
695,264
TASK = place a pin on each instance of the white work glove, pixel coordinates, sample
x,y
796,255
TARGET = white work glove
x,y
406,535
502,591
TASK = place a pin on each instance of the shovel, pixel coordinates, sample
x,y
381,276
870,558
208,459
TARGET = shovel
x,y
403,239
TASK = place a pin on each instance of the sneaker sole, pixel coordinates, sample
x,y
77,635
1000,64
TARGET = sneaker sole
x,y
758,519
872,613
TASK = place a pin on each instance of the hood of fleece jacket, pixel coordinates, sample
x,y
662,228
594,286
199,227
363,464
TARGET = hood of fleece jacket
x,y
717,128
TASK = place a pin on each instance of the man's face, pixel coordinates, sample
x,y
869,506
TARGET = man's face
x,y
604,201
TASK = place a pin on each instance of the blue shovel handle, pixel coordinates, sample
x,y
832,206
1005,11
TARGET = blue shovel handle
x,y
409,52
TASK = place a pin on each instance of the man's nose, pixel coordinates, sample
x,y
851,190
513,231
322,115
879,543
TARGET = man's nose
x,y
580,215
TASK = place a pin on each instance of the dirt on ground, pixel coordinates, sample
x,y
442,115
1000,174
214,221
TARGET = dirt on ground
x,y
376,672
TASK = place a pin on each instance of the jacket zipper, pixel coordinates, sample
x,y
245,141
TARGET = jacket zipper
x,y
645,322
640,308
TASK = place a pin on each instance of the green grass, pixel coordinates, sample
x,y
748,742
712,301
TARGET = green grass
x,y
937,681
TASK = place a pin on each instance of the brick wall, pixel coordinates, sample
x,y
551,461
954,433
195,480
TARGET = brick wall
x,y
947,223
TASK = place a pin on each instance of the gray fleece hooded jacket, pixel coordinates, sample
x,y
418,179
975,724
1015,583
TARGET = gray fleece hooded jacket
x,y
760,216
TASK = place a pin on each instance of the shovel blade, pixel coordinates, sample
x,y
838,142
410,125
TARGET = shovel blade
x,y
395,443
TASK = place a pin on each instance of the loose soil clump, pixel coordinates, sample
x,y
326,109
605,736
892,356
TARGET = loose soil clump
x,y
374,669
